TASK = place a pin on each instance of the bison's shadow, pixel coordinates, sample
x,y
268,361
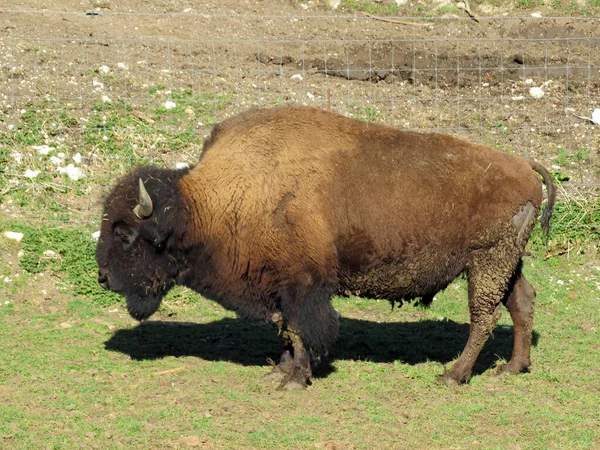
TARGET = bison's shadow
x,y
241,342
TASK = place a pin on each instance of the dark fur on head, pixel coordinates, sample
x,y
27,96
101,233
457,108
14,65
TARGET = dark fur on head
x,y
138,251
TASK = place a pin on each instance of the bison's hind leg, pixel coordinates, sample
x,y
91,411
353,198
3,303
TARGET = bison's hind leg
x,y
520,303
491,273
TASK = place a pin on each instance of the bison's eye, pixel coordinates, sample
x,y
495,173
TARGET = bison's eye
x,y
125,233
159,244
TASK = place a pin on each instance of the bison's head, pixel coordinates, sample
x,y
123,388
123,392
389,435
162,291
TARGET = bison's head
x,y
143,218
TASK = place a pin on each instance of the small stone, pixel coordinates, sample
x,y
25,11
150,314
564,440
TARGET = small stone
x,y
42,149
15,235
536,92
390,78
31,174
65,325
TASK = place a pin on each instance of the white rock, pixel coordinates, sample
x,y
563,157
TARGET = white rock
x,y
333,4
536,92
97,83
536,14
16,156
296,77
122,66
49,253
74,173
104,69
15,235
169,104
42,149
518,98
309,95
560,282
106,99
401,2
182,165
96,234
31,173
7,280
596,116
77,158
528,81
55,160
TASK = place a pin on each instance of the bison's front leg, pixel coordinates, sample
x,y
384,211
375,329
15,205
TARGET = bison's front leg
x,y
309,325
295,364
286,362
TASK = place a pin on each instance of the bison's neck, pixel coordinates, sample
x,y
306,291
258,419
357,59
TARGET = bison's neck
x,y
195,211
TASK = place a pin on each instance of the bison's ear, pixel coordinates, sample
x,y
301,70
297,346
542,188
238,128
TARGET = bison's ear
x,y
125,233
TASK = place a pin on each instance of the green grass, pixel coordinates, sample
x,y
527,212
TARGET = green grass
x,y
76,371
369,7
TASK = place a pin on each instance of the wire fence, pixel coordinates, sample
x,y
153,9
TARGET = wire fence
x,y
520,95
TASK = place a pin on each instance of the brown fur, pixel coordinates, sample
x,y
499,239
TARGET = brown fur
x,y
291,205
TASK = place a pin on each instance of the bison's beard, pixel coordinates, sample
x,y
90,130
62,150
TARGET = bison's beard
x,y
140,308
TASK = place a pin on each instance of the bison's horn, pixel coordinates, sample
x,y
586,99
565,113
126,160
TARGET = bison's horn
x,y
144,207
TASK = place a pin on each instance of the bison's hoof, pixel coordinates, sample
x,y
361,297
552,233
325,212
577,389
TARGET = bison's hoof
x,y
293,385
449,379
275,376
512,368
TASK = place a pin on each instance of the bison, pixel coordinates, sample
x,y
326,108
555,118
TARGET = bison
x,y
292,205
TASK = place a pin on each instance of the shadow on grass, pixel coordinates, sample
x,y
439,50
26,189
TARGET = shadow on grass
x,y
243,343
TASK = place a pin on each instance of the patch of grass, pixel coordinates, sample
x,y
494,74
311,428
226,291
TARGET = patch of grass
x,y
526,4
156,88
73,257
197,380
370,114
582,154
575,225
371,7
450,9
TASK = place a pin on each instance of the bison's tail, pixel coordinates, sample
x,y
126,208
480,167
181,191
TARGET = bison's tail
x,y
549,209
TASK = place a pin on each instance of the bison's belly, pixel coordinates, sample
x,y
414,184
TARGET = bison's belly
x,y
400,280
